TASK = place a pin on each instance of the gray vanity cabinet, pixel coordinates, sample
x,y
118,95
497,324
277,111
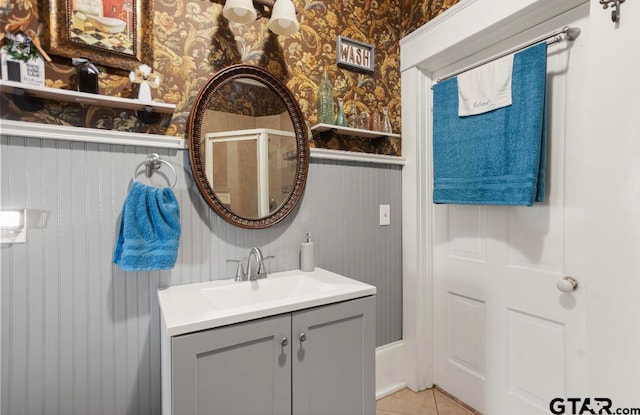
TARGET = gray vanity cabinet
x,y
234,370
333,352
319,361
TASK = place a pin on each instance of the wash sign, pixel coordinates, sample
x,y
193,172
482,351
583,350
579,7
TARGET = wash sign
x,y
352,54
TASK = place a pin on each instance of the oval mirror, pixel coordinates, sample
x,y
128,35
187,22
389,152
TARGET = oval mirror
x,y
248,147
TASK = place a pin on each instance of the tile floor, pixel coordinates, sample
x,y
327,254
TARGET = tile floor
x,y
427,402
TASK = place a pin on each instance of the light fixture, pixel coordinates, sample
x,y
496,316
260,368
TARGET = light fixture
x,y
240,11
283,18
282,14
13,224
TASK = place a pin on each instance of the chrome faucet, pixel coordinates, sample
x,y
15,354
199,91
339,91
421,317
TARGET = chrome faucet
x,y
257,271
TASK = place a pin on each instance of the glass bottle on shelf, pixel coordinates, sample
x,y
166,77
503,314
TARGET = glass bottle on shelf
x,y
354,119
386,124
375,121
341,119
325,100
364,121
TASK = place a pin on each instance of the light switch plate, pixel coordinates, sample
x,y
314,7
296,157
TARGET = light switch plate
x,y
385,215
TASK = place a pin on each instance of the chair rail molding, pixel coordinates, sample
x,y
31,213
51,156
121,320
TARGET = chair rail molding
x,y
322,153
89,135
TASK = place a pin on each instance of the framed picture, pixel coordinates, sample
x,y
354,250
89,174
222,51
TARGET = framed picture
x,y
355,55
114,33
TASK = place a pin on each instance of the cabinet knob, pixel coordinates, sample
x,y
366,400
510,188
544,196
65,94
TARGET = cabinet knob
x,y
302,337
284,342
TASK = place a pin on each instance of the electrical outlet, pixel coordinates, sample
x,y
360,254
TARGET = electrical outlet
x,y
385,215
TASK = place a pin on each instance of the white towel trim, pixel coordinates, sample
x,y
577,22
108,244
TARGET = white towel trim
x,y
485,88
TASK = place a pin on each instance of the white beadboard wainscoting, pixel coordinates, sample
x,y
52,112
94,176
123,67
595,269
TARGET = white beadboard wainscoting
x,y
80,336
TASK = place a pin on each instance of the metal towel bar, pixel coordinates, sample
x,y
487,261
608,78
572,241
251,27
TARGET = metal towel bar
x,y
568,33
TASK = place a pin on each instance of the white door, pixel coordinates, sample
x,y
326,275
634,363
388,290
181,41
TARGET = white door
x,y
506,340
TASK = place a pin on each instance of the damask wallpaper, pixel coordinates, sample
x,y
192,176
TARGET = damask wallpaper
x,y
416,13
192,41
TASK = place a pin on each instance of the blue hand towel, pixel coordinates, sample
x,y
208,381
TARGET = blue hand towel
x,y
498,157
149,229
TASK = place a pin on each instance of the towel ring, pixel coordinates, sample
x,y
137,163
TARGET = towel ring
x,y
153,163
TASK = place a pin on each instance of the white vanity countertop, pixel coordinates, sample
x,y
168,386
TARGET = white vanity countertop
x,y
194,307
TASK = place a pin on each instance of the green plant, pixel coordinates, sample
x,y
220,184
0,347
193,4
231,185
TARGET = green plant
x,y
21,50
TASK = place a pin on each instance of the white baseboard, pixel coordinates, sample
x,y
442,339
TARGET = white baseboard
x,y
390,369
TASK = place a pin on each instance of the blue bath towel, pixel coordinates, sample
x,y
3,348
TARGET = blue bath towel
x,y
495,158
149,229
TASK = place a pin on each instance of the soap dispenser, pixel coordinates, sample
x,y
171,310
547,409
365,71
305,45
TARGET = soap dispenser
x,y
307,260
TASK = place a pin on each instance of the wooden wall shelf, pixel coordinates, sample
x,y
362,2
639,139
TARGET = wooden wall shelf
x,y
356,132
67,95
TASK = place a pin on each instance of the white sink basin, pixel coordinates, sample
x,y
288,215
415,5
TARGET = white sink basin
x,y
194,307
264,290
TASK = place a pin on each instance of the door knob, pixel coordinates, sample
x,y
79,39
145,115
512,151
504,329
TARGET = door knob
x,y
302,337
567,284
284,341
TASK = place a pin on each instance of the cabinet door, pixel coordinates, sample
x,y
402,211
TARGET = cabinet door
x,y
334,362
241,369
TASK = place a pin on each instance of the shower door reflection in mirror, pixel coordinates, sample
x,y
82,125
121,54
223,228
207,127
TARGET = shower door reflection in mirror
x,y
252,171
